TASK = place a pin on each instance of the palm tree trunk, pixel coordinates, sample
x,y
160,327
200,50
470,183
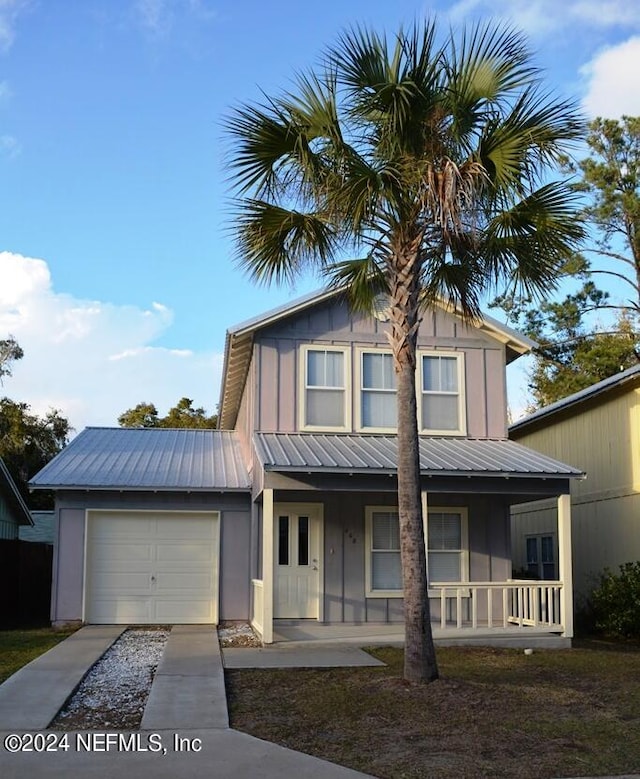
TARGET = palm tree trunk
x,y
419,652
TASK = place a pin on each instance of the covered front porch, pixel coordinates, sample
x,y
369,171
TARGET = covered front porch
x,y
511,612
326,565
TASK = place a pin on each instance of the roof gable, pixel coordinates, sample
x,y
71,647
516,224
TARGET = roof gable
x,y
239,344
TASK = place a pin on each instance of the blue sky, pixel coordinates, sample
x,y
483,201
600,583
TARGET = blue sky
x,y
116,272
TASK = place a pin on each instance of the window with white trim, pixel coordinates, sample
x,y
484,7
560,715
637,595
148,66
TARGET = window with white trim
x,y
541,561
447,549
445,546
441,402
324,388
378,396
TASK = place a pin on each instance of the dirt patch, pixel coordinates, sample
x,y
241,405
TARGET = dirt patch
x,y
114,692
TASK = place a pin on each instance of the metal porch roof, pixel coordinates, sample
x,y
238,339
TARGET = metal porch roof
x,y
147,459
342,453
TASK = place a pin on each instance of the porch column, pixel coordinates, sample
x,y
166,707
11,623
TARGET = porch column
x,y
565,570
267,566
425,515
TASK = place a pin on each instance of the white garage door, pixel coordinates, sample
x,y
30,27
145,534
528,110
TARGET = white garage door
x,y
152,568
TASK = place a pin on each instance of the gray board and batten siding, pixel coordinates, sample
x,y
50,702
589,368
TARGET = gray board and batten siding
x,y
344,552
270,402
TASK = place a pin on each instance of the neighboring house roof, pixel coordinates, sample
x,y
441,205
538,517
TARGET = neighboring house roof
x,y
542,416
321,453
13,497
147,459
43,530
239,342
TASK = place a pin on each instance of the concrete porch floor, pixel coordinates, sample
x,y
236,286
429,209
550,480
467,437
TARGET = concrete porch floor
x,y
370,634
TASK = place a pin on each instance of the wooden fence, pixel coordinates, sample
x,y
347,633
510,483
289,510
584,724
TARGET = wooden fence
x,y
25,583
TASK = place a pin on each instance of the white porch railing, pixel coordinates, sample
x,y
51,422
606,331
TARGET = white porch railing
x,y
257,606
497,605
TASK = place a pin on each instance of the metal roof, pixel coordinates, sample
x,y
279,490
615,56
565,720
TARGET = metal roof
x,y
314,453
13,497
630,375
147,459
239,344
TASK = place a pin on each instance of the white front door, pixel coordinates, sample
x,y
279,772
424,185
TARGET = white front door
x,y
297,534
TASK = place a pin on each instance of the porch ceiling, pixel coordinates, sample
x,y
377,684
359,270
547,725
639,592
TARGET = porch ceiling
x,y
369,454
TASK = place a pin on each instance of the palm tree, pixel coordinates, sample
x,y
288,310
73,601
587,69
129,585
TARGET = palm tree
x,y
424,160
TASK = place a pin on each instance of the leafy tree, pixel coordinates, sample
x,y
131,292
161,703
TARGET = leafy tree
x,y
570,356
610,178
10,351
142,415
181,415
574,352
184,415
424,160
28,442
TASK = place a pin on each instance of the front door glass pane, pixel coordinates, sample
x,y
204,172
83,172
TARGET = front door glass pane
x,y
283,541
303,540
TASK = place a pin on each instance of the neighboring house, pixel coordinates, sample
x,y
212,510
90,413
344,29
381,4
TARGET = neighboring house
x,y
287,516
14,515
43,529
13,510
598,430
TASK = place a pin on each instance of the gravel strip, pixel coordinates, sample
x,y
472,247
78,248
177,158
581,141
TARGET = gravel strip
x,y
235,634
114,692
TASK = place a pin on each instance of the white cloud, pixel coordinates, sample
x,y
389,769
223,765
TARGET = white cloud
x,y
9,12
9,146
93,359
538,17
159,17
612,81
155,16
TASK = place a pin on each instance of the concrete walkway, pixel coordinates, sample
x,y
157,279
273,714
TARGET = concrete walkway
x,y
185,729
303,654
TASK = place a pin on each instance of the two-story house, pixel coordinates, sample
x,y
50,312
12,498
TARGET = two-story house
x,y
287,515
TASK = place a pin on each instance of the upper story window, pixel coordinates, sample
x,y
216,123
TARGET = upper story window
x,y
378,398
441,406
324,373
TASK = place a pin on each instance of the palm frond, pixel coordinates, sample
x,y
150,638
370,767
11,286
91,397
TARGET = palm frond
x,y
364,280
529,243
277,244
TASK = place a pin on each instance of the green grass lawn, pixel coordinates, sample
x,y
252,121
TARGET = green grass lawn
x,y
19,647
493,713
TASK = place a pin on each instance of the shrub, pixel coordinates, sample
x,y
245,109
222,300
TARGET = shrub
x,y
615,602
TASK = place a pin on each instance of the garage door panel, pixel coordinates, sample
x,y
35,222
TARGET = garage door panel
x,y
116,611
124,553
126,529
147,568
196,529
194,554
183,583
105,582
186,612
